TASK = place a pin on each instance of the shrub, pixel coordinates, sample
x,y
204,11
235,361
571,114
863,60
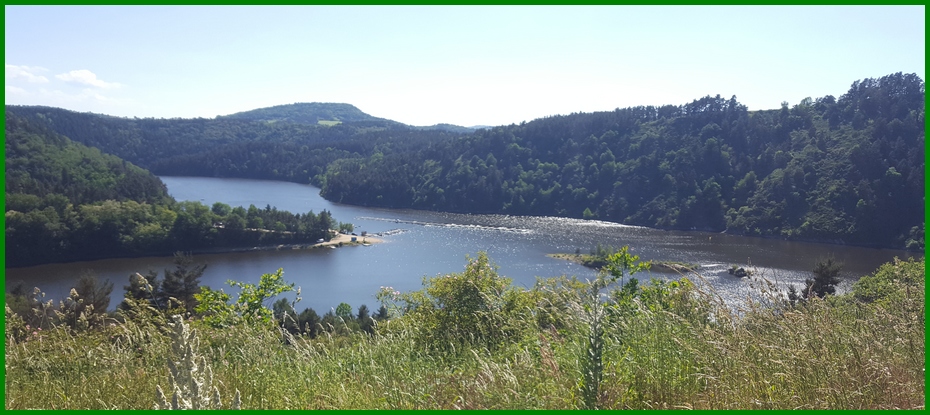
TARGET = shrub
x,y
474,308
216,311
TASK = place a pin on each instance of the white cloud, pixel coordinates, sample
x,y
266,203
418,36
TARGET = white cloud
x,y
12,90
83,76
86,96
26,72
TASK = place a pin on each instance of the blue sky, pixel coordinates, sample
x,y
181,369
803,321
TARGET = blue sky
x,y
465,65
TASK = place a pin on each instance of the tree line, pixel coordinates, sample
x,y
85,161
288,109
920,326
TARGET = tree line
x,y
847,170
68,202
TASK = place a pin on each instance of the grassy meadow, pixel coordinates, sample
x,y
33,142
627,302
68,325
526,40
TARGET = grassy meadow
x,y
470,340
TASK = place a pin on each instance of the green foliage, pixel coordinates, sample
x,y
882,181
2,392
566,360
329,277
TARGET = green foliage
x,y
182,283
252,298
306,113
887,284
68,202
344,311
474,308
93,300
365,322
620,264
41,162
826,276
834,170
309,322
662,344
16,329
846,169
214,309
249,306
346,227
587,214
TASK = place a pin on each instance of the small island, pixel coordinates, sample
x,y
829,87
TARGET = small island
x,y
596,261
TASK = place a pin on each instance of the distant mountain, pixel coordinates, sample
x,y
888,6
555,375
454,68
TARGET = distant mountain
x,y
308,113
324,113
458,129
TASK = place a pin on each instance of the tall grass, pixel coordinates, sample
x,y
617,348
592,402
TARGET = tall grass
x,y
672,346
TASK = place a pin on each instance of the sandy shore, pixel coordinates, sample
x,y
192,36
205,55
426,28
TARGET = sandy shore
x,y
347,239
339,240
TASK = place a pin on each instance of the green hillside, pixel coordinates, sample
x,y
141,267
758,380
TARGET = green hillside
x,y
847,169
68,202
306,113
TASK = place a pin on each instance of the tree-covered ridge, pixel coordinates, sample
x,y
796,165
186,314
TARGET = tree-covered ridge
x,y
68,202
228,147
307,113
848,170
458,129
40,162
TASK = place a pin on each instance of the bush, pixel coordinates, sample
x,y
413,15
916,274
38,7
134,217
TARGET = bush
x,y
251,305
475,308
889,280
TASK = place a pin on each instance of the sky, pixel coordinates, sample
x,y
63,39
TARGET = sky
x,y
463,65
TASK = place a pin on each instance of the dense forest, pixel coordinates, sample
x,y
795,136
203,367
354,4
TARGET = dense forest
x,y
846,170
66,201
231,147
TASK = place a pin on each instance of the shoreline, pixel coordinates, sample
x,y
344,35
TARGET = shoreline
x,y
339,240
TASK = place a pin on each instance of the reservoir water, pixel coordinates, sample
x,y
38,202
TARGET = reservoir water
x,y
425,244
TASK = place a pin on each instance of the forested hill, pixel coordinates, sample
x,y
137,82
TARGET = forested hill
x,y
308,113
847,170
228,147
69,202
41,163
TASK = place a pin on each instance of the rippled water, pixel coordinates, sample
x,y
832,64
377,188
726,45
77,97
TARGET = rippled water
x,y
421,243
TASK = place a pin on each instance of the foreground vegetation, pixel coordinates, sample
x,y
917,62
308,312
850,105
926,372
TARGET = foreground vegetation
x,y
472,340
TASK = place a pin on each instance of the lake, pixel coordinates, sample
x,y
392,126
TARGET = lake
x,y
425,244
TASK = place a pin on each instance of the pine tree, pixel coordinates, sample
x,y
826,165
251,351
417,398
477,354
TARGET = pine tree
x,y
826,276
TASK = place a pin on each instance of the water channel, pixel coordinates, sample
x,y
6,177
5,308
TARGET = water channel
x,y
425,244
